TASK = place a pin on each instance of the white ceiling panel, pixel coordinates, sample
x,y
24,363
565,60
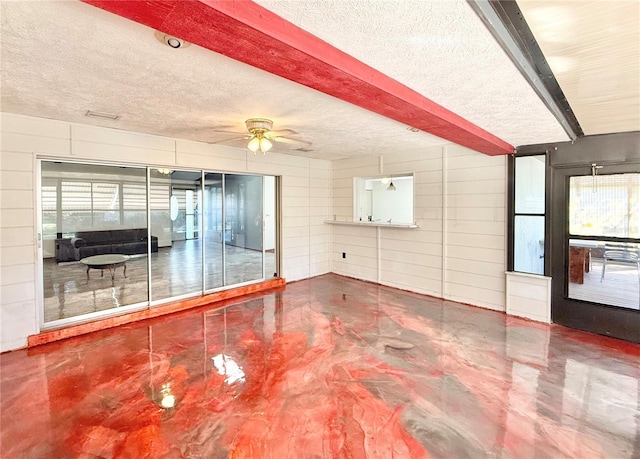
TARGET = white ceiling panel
x,y
593,48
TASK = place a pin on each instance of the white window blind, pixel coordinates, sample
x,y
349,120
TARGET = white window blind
x,y
134,196
605,205
76,195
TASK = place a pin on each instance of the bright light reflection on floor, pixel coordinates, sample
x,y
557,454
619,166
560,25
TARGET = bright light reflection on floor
x,y
226,366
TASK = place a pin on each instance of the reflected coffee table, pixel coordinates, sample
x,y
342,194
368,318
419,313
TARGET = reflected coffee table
x,y
109,261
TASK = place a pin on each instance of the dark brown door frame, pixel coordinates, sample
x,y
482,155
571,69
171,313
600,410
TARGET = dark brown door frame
x,y
593,317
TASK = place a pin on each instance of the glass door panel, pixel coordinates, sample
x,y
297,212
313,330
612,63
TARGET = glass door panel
x,y
528,255
243,243
213,225
604,239
176,268
95,239
595,240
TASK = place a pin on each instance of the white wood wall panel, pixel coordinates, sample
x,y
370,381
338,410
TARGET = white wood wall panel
x,y
120,153
474,240
476,254
529,296
29,143
413,283
18,161
94,134
14,237
14,274
478,214
305,189
356,267
17,240
12,216
468,239
295,222
456,190
15,180
187,160
39,127
319,209
473,266
476,187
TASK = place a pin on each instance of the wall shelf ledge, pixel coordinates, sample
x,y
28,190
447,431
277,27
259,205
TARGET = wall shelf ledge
x,y
373,224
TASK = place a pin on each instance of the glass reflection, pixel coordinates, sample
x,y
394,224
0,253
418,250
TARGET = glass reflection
x,y
604,254
102,211
175,203
93,220
226,366
243,228
213,227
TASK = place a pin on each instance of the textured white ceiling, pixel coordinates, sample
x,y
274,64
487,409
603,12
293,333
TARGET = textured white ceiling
x,y
438,48
62,58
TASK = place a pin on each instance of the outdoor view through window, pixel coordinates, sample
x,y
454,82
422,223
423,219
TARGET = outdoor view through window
x,y
604,231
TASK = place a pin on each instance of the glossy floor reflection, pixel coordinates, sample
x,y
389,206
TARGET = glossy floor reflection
x,y
328,368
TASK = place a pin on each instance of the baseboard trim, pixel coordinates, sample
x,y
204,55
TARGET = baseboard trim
x,y
49,336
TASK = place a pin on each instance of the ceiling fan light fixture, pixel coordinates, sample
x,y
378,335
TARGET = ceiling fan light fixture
x,y
259,127
254,144
265,145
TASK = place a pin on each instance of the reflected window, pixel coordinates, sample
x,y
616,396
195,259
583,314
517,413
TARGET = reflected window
x,y
94,239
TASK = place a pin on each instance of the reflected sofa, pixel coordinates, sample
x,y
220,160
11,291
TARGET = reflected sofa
x,y
124,241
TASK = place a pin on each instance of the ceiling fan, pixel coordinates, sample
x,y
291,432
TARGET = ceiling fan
x,y
261,136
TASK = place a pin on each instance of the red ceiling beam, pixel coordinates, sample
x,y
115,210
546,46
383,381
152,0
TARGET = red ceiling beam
x,y
249,33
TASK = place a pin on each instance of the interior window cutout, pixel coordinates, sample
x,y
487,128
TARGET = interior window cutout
x,y
384,199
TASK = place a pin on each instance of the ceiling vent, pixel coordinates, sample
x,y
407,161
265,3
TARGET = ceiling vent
x,y
108,116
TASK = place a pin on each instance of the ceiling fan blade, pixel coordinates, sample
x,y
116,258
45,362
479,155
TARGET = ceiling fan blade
x,y
233,139
291,141
282,132
228,132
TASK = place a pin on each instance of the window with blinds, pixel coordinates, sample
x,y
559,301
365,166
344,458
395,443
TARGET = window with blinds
x,y
49,202
102,204
605,205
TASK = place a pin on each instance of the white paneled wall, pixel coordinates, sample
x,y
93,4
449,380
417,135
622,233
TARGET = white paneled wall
x,y
529,296
458,250
475,210
305,189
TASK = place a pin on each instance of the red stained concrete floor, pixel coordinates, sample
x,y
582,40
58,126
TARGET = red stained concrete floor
x,y
328,368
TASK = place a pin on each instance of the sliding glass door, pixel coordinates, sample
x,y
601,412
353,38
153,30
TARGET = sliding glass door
x,y
94,239
243,246
118,237
213,231
176,268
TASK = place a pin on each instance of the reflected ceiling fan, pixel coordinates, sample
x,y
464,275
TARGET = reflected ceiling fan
x,y
261,136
